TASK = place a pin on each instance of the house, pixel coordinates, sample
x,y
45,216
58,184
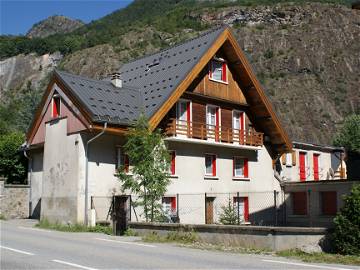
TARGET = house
x,y
221,129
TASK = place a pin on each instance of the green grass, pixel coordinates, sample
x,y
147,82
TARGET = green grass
x,y
172,237
45,224
320,257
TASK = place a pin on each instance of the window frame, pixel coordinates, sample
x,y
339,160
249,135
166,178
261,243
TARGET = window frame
x,y
224,71
173,204
213,164
188,110
122,160
246,206
245,168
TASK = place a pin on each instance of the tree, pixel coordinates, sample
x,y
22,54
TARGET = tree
x,y
349,135
229,215
149,159
12,162
346,236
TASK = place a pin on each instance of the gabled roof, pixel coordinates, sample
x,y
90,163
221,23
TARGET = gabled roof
x,y
154,83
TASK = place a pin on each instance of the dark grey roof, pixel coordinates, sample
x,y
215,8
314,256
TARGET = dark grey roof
x,y
147,82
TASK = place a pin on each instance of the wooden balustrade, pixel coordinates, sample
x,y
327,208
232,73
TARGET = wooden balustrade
x,y
209,132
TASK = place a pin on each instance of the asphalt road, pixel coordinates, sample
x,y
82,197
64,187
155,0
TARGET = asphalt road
x,y
25,247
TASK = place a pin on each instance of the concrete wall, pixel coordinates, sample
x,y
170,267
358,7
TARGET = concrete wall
x,y
313,189
14,200
327,160
62,174
35,177
268,238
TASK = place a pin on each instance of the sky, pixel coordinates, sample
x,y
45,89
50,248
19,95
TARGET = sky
x,y
17,16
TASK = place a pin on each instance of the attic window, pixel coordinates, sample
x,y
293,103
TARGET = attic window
x,y
56,106
218,71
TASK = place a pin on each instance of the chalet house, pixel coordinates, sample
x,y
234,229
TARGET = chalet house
x,y
221,129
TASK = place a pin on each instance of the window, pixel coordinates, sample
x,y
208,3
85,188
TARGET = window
x,y
210,164
183,112
288,158
241,206
172,162
122,160
56,106
217,71
238,125
328,203
240,167
169,206
213,122
302,166
299,203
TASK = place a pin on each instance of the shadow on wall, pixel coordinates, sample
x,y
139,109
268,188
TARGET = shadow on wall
x,y
36,210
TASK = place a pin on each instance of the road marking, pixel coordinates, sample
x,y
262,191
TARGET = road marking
x,y
74,265
307,265
33,229
17,250
124,242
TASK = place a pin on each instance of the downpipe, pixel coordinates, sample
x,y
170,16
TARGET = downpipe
x,y
87,172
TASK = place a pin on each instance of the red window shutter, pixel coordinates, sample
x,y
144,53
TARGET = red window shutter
x,y
224,72
316,166
56,107
299,203
302,166
246,168
173,204
246,209
214,165
126,163
329,203
188,113
173,155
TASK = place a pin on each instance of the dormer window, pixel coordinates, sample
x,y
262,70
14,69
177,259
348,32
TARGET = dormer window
x,y
217,71
56,106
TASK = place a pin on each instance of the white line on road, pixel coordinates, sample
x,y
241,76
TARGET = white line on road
x,y
307,265
74,265
124,242
17,250
33,229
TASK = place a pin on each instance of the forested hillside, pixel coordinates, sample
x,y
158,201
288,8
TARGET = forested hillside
x,y
306,54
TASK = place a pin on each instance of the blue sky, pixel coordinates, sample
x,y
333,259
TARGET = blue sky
x,y
17,17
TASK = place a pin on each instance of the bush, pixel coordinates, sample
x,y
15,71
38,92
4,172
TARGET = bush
x,y
346,237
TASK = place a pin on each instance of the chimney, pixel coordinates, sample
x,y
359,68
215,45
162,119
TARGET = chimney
x,y
116,80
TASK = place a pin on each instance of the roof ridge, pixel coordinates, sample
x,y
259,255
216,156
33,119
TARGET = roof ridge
x,y
206,32
78,76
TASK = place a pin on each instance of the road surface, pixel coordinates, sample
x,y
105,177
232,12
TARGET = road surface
x,y
24,247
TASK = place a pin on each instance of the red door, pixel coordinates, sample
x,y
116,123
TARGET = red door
x,y
316,166
302,166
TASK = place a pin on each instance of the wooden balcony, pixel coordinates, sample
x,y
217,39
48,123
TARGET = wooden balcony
x,y
212,133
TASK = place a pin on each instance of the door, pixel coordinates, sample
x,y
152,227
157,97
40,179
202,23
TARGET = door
x,y
316,166
302,168
183,118
209,211
213,122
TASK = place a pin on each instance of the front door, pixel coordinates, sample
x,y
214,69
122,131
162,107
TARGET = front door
x,y
209,212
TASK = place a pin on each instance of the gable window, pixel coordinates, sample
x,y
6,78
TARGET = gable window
x,y
122,160
217,71
172,162
56,106
240,167
210,164
241,206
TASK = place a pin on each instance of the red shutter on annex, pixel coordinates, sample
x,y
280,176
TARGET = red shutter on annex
x,y
316,166
302,166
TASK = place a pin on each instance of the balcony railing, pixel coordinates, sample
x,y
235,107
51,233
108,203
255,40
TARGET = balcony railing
x,y
212,133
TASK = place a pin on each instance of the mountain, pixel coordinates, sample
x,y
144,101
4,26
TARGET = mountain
x,y
306,54
53,25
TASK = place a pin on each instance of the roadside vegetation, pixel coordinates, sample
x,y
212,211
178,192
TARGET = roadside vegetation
x,y
172,237
45,224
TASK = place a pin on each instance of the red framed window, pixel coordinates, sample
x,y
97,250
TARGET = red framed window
x,y
328,203
316,166
172,162
241,206
169,205
213,122
218,71
210,164
240,167
299,203
183,112
56,106
122,160
302,166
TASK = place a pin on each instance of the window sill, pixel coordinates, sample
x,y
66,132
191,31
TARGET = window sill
x,y
240,178
210,177
219,81
173,176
